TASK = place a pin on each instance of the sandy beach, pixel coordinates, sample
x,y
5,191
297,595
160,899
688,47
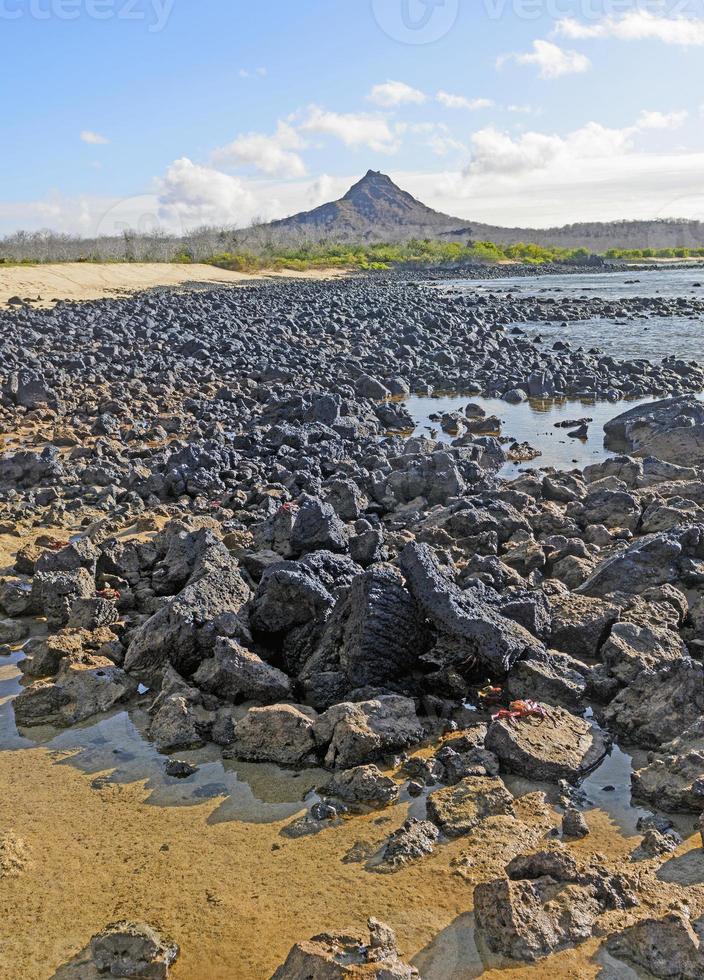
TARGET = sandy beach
x,y
46,284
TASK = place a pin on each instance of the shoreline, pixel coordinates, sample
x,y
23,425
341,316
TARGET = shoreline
x,y
82,281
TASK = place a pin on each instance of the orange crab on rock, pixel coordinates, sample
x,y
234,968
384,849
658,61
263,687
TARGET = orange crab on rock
x,y
520,710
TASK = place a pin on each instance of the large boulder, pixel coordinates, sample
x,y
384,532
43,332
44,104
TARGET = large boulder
x,y
54,593
658,704
673,779
237,674
669,947
374,635
656,559
470,626
292,593
580,624
557,746
133,949
671,429
281,733
363,786
631,649
546,903
360,732
84,686
179,718
181,632
336,956
458,809
316,526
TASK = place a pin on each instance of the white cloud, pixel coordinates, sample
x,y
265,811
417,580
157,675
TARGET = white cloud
x,y
191,195
272,155
451,101
247,73
637,25
497,152
391,94
551,60
95,139
661,120
353,129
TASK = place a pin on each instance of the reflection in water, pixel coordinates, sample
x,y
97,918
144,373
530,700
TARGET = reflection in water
x,y
532,422
615,772
115,750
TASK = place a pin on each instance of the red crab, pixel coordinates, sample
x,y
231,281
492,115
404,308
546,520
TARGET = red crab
x,y
57,545
286,508
520,710
112,594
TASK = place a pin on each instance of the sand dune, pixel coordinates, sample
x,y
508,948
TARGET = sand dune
x,y
88,280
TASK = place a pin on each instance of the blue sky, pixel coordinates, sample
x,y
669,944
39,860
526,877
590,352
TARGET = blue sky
x,y
180,112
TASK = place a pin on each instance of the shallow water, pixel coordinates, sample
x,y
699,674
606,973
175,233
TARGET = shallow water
x,y
650,282
532,422
651,338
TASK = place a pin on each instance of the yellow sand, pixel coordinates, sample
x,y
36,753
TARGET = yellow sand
x,y
88,280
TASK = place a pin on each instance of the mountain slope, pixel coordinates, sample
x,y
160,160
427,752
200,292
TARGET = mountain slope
x,y
375,209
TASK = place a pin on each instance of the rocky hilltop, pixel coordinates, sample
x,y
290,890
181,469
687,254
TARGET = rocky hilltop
x,y
375,209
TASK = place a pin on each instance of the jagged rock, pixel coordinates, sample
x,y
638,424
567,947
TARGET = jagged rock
x,y
546,904
12,632
553,680
672,430
179,633
472,627
560,746
80,553
413,840
580,624
657,559
316,526
334,956
375,634
179,720
458,809
363,785
92,613
357,733
43,655
655,844
667,947
631,649
82,688
15,597
673,779
55,592
237,674
292,593
133,949
573,823
659,704
281,733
